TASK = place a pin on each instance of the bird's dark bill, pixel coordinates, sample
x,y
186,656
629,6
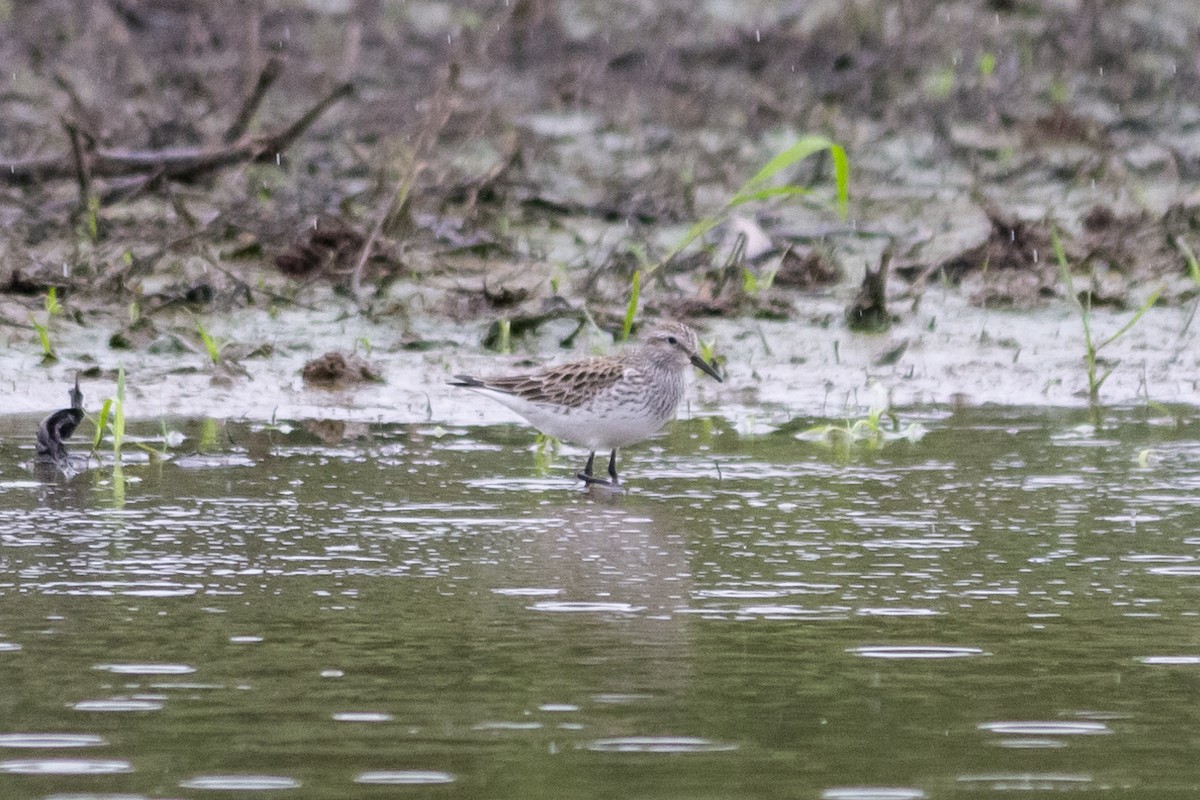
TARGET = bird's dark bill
x,y
706,367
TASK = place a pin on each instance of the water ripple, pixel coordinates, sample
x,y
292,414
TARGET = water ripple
x,y
925,543
240,783
50,740
1048,728
897,612
1171,661
118,704
362,716
65,766
871,793
146,669
916,651
585,608
407,777
1035,782
658,744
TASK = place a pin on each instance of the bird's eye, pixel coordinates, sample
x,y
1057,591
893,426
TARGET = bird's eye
x,y
672,340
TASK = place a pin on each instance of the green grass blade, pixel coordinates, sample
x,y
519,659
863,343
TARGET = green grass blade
x,y
1064,269
44,338
118,421
210,344
102,424
635,291
749,282
800,150
1150,301
1193,264
841,176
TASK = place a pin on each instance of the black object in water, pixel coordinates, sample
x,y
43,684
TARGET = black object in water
x,y
58,427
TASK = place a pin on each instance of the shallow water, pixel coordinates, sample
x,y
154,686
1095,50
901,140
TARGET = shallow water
x,y
1009,604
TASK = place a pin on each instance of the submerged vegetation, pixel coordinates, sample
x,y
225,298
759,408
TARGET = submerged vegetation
x,y
881,426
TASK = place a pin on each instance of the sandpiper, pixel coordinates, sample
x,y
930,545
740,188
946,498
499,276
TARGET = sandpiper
x,y
607,402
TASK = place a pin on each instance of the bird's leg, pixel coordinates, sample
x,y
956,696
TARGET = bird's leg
x,y
586,475
612,468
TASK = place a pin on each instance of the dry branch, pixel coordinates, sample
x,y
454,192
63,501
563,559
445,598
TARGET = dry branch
x,y
183,163
270,73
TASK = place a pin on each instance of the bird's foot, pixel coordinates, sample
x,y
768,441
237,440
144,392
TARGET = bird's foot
x,y
592,480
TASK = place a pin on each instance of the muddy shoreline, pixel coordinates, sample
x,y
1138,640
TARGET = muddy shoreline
x,y
949,354
512,169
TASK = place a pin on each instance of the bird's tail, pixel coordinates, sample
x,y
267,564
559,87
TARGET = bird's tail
x,y
465,380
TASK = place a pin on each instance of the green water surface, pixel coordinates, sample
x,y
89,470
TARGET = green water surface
x,y
1011,604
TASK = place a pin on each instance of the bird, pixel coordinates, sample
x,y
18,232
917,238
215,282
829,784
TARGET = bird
x,y
58,427
604,402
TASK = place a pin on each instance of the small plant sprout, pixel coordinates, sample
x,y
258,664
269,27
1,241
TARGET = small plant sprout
x,y
43,333
210,344
504,340
111,420
1189,255
753,284
987,64
869,433
708,351
53,307
545,449
365,343
1092,346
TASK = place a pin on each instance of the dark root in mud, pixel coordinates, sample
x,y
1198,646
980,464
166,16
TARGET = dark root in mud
x,y
807,270
868,312
1013,267
336,370
330,250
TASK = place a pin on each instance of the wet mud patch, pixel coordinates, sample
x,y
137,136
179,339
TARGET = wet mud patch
x,y
1016,265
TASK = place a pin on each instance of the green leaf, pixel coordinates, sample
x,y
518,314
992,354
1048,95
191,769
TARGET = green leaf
x,y
841,176
635,291
987,64
210,344
102,424
118,418
1150,301
52,305
800,150
749,282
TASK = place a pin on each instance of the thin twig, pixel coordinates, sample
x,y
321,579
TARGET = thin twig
x,y
270,73
397,199
276,144
83,174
